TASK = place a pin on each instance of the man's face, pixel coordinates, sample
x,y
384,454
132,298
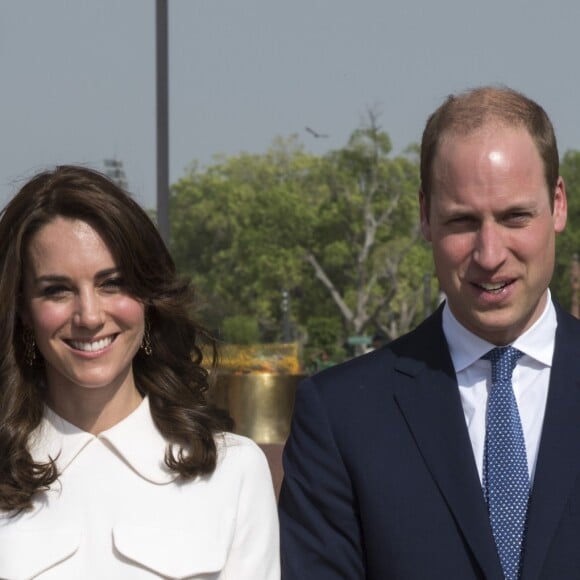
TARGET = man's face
x,y
492,230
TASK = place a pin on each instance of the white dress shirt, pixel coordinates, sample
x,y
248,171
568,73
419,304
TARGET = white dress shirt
x,y
117,513
530,379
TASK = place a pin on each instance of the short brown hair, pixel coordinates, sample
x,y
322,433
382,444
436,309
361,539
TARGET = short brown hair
x,y
464,113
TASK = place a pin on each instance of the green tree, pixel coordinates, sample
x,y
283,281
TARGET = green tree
x,y
339,233
238,229
241,329
367,234
568,242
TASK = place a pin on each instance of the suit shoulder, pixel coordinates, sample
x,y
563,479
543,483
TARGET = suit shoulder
x,y
565,318
424,346
370,364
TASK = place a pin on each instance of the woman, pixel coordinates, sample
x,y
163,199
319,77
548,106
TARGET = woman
x,y
112,463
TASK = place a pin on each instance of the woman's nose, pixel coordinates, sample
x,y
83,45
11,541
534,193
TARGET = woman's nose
x,y
88,311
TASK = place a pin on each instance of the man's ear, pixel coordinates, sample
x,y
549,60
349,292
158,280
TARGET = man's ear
x,y
560,212
424,213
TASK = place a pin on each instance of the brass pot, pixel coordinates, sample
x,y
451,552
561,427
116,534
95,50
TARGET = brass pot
x,y
261,404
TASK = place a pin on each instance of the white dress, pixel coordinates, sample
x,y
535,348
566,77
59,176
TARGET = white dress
x,y
117,513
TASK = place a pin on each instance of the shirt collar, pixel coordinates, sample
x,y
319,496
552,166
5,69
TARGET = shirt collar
x,y
135,439
537,342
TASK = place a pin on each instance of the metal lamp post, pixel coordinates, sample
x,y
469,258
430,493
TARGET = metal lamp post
x,y
162,119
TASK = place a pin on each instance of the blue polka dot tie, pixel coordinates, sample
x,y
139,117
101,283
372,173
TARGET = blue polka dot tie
x,y
506,481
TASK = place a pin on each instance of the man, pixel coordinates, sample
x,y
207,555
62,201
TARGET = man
x,y
391,468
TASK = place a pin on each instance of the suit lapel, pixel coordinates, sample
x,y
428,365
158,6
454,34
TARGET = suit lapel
x,y
558,462
428,397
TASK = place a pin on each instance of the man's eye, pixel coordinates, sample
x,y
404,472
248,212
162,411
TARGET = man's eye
x,y
517,219
520,215
462,220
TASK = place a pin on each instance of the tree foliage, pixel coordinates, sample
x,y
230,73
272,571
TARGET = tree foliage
x,y
568,242
238,228
372,201
338,232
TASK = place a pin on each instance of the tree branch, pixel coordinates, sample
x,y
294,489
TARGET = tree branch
x,y
321,275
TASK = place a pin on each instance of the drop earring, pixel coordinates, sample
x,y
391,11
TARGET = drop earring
x,y
146,342
29,347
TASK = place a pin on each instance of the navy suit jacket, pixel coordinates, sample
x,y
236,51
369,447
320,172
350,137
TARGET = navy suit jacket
x,y
380,479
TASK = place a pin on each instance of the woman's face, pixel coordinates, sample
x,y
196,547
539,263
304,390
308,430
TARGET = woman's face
x,y
87,327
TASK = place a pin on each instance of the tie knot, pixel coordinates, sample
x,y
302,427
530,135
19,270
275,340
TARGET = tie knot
x,y
503,362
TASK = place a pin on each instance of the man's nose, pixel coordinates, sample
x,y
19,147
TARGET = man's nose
x,y
489,251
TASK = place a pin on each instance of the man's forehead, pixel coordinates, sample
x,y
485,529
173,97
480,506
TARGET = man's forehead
x,y
488,127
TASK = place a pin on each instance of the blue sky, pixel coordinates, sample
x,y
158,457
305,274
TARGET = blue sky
x,y
78,76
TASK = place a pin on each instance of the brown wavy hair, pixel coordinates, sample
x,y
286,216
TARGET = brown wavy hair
x,y
174,377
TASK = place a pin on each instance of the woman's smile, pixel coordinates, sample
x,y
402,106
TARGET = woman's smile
x,y
93,346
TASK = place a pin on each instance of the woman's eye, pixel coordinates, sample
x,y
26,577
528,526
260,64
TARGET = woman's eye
x,y
56,290
114,283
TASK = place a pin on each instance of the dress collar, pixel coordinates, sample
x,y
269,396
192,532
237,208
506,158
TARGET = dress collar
x,y
135,439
